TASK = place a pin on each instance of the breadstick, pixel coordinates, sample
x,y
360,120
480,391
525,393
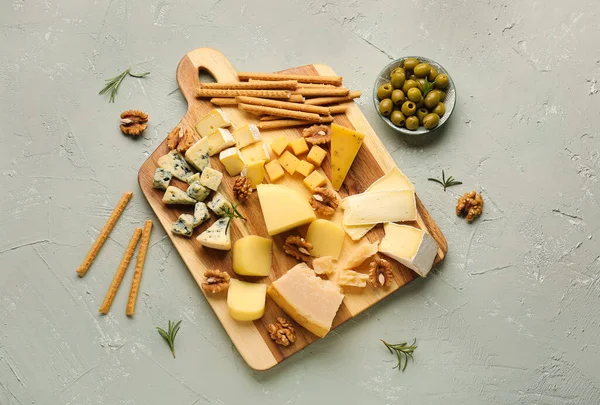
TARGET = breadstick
x,y
139,267
316,85
260,110
335,80
296,98
203,93
110,224
255,85
116,282
332,100
333,91
277,124
270,118
224,101
337,109
282,104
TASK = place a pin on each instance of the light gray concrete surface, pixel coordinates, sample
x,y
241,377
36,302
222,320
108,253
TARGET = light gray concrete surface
x,y
511,316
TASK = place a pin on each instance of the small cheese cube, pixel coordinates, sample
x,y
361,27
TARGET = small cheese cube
x,y
305,168
252,256
314,180
246,301
219,204
162,178
197,154
274,171
316,155
289,162
211,178
323,265
255,152
219,140
210,122
351,278
184,225
197,191
193,178
200,213
279,145
232,160
217,236
247,135
173,195
255,172
326,238
299,146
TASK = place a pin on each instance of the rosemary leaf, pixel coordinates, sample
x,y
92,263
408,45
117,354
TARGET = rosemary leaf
x,y
449,182
113,83
170,335
403,352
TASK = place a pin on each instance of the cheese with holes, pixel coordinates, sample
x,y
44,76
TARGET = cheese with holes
x,y
411,246
197,155
379,206
246,301
211,122
256,151
211,178
217,236
173,195
311,301
232,160
324,265
360,254
184,225
219,140
175,163
283,208
255,172
247,135
326,238
345,144
252,256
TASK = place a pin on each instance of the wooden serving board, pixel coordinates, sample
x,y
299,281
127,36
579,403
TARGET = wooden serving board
x,y
373,161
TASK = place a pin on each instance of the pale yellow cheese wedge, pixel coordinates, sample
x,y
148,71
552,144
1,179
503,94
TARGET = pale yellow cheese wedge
x,y
326,238
252,256
345,144
246,301
283,208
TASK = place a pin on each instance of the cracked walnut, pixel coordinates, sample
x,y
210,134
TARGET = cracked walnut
x,y
216,281
282,332
470,205
324,202
297,247
133,122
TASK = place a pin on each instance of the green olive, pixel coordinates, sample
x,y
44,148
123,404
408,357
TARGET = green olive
x,y
421,113
410,63
398,97
433,73
397,118
421,84
442,94
432,99
412,123
439,109
398,79
409,84
384,91
414,95
420,104
441,81
385,107
409,108
431,121
413,77
398,69
422,69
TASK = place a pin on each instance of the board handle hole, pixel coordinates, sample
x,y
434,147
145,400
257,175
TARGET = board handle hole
x,y
205,76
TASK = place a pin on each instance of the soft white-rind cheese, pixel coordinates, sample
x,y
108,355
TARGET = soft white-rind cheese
x,y
411,246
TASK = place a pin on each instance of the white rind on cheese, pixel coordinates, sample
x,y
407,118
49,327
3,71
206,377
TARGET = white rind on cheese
x,y
411,246
247,135
219,140
173,195
380,206
232,160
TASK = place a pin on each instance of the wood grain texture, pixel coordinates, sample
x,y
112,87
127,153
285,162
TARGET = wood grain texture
x,y
251,338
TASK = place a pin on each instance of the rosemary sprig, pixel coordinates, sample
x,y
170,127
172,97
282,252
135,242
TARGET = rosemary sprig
x,y
446,182
232,213
427,86
113,83
170,335
403,352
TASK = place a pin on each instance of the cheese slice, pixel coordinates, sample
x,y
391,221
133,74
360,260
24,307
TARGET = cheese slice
x,y
246,301
210,122
173,195
345,144
380,206
412,247
175,163
219,140
232,160
283,208
308,299
217,236
197,155
246,135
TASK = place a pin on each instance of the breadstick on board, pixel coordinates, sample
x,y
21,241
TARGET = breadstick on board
x,y
108,227
278,124
316,85
254,85
335,80
116,282
283,104
204,93
139,267
224,101
325,92
270,118
338,109
333,100
260,110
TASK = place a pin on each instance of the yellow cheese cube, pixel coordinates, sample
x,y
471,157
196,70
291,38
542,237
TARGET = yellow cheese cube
x,y
256,151
255,172
305,168
274,171
299,146
246,135
345,144
289,162
252,256
326,238
283,208
219,140
232,160
314,180
210,122
279,145
246,301
316,155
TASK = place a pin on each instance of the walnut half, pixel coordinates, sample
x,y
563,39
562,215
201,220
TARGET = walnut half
x,y
324,202
470,205
216,281
133,122
242,188
380,273
282,332
297,247
317,135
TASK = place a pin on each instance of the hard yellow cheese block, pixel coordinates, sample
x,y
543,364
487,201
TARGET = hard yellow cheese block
x,y
345,144
379,206
210,122
279,145
283,208
246,301
411,246
309,300
289,162
299,146
255,152
246,135
316,155
255,172
314,180
219,140
326,238
274,170
252,256
232,160
305,168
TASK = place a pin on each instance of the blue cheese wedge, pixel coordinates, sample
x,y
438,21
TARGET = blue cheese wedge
x,y
211,178
217,236
173,195
175,163
197,155
197,191
201,214
219,204
184,225
194,177
162,178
